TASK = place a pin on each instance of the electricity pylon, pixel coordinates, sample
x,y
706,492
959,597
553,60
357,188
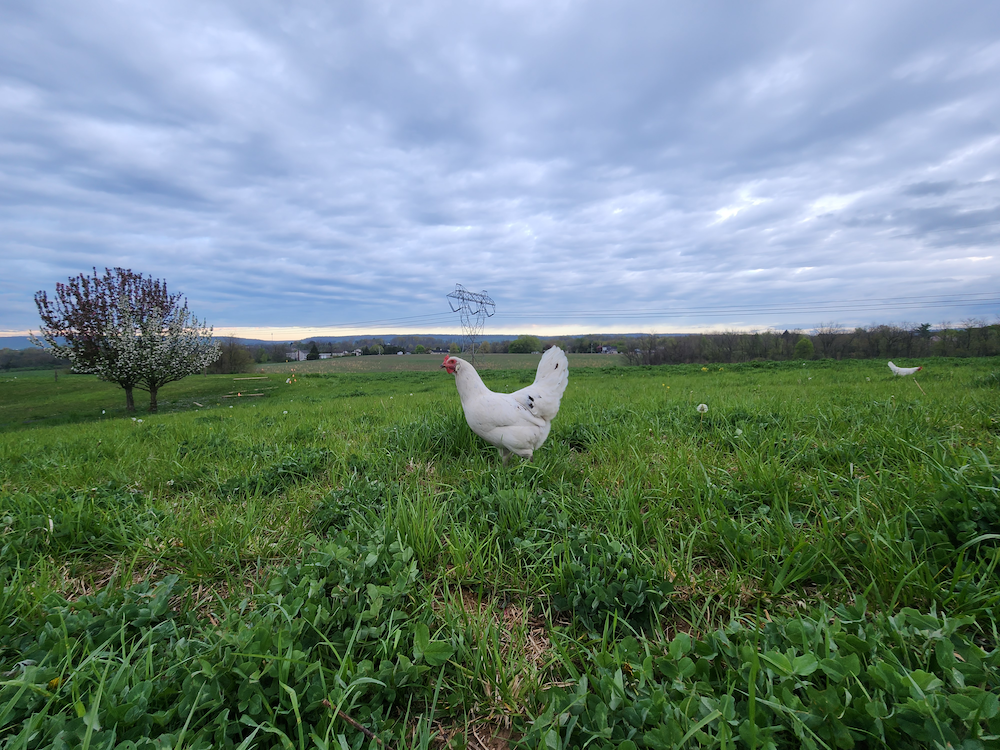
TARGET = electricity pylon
x,y
475,309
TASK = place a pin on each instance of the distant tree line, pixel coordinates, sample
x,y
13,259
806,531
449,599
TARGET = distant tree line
x,y
972,338
29,359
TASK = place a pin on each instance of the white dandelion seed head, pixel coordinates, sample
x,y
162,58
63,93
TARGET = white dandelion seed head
x,y
702,408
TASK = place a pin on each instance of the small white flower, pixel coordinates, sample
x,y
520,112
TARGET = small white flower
x,y
738,432
138,421
702,408
868,379
133,419
285,412
102,411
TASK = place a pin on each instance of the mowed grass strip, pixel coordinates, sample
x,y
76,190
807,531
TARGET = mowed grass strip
x,y
239,571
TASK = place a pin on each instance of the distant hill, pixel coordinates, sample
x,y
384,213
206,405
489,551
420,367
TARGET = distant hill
x,y
15,342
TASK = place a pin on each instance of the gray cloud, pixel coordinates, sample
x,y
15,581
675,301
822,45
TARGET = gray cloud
x,y
322,165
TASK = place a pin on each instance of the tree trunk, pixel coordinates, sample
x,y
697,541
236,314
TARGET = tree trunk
x,y
152,399
129,400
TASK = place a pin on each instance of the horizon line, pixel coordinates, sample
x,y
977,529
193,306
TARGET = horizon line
x,y
290,334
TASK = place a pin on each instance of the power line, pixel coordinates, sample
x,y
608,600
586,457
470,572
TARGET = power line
x,y
429,318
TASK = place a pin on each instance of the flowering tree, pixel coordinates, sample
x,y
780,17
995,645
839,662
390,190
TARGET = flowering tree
x,y
92,321
153,349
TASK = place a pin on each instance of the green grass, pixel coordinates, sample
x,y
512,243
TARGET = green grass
x,y
431,363
812,562
35,398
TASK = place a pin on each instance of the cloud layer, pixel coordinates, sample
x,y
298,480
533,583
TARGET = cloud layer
x,y
629,166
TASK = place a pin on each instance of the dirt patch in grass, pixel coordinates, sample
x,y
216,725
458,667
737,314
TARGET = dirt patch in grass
x,y
507,619
478,735
202,597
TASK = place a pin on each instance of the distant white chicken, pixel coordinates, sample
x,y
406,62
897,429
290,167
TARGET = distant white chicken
x,y
904,370
515,422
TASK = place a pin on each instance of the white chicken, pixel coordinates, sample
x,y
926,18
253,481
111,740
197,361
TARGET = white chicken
x,y
515,422
904,370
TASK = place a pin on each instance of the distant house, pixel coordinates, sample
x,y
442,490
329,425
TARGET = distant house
x,y
609,350
325,355
295,356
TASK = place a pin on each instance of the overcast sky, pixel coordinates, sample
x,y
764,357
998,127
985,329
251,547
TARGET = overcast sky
x,y
594,166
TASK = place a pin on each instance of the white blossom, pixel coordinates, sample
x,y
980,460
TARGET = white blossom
x,y
150,351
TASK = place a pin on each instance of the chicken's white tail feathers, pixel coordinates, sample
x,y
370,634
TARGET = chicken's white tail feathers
x,y
553,367
542,397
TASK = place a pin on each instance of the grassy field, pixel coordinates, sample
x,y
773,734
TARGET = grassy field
x,y
432,362
338,562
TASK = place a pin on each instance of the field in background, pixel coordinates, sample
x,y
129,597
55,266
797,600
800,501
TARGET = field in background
x,y
431,362
811,563
46,397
